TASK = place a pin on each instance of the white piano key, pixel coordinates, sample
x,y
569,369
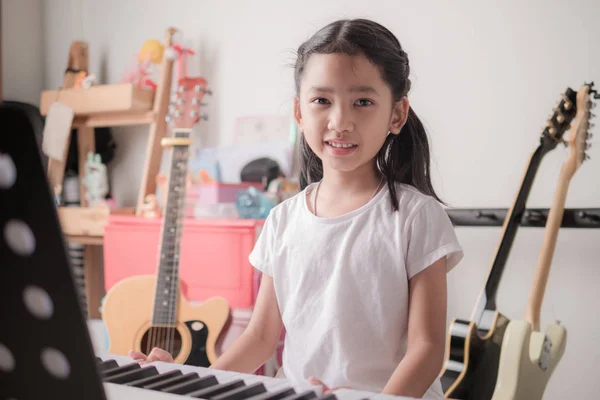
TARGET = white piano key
x,y
118,392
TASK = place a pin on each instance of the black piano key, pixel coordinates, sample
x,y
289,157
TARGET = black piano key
x,y
306,395
119,370
192,386
242,393
277,395
328,396
134,375
171,381
212,391
108,364
153,379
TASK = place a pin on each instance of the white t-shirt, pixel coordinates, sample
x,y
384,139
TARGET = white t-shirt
x,y
342,283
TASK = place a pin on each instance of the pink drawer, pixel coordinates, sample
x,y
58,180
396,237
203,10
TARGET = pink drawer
x,y
214,255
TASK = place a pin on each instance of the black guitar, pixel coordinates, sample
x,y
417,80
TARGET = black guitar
x,y
473,346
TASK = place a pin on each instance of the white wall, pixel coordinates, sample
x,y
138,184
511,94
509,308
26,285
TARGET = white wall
x,y
22,55
486,75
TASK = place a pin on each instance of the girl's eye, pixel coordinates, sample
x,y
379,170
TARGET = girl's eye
x,y
321,100
364,102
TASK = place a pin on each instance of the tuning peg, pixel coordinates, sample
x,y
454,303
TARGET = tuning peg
x,y
560,118
208,92
204,117
181,89
590,135
193,113
168,118
177,113
592,115
196,101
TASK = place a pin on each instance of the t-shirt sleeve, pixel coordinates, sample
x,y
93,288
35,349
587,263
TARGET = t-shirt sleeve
x,y
261,256
431,236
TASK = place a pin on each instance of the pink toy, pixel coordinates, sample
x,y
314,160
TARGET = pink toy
x,y
182,53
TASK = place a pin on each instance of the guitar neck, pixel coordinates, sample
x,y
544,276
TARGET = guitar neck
x,y
536,295
167,284
487,299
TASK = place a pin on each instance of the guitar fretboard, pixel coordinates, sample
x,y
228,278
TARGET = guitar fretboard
x,y
167,285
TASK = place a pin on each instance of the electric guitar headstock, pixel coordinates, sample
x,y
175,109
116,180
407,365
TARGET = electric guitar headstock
x,y
579,136
560,120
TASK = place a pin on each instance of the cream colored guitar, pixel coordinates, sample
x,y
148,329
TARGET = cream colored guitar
x,y
528,357
144,312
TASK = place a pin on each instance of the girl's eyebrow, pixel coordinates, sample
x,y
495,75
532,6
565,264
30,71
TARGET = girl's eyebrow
x,y
355,89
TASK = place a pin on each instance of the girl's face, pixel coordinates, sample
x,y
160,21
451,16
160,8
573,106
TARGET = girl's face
x,y
345,110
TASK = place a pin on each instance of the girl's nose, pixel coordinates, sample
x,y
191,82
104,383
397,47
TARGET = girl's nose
x,y
340,120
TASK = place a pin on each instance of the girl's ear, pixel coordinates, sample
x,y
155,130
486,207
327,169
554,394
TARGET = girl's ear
x,y
399,115
297,113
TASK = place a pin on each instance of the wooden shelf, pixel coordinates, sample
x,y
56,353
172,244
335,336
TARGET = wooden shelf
x,y
114,98
114,119
86,224
107,106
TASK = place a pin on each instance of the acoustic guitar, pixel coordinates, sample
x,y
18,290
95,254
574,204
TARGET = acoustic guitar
x,y
528,356
473,346
143,312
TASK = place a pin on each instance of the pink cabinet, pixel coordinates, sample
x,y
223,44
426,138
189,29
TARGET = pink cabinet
x,y
214,255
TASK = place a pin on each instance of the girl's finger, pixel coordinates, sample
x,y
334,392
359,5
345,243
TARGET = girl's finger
x,y
136,355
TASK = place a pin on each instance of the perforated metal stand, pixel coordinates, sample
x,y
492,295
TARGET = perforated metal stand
x,y
45,347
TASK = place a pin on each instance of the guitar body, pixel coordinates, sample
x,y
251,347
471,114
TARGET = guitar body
x,y
521,377
472,359
127,314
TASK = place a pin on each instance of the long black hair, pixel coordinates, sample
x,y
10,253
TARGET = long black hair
x,y
403,158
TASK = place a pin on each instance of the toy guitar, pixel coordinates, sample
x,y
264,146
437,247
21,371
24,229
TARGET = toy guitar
x,y
144,312
473,346
529,356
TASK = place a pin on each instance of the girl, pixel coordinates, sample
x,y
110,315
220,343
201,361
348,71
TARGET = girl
x,y
354,266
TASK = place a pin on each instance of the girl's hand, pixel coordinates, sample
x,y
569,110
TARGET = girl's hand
x,y
155,355
315,381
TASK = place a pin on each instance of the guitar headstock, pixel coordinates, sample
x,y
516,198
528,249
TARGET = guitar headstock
x,y
185,110
560,120
579,136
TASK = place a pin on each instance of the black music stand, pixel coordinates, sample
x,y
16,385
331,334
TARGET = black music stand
x,y
45,347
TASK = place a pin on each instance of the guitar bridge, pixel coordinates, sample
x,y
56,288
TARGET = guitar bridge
x,y
545,356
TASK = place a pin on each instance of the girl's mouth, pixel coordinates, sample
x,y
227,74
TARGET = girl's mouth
x,y
340,148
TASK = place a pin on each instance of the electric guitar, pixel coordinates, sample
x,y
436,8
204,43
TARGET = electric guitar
x,y
473,346
528,356
143,312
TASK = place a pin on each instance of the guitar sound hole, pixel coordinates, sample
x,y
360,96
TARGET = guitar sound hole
x,y
166,338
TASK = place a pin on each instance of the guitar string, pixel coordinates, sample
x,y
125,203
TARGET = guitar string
x,y
173,245
174,289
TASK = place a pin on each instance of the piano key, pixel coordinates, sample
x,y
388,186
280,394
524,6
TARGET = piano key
x,y
133,375
275,395
243,392
153,379
171,381
109,364
329,396
123,392
192,386
212,391
119,370
305,395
